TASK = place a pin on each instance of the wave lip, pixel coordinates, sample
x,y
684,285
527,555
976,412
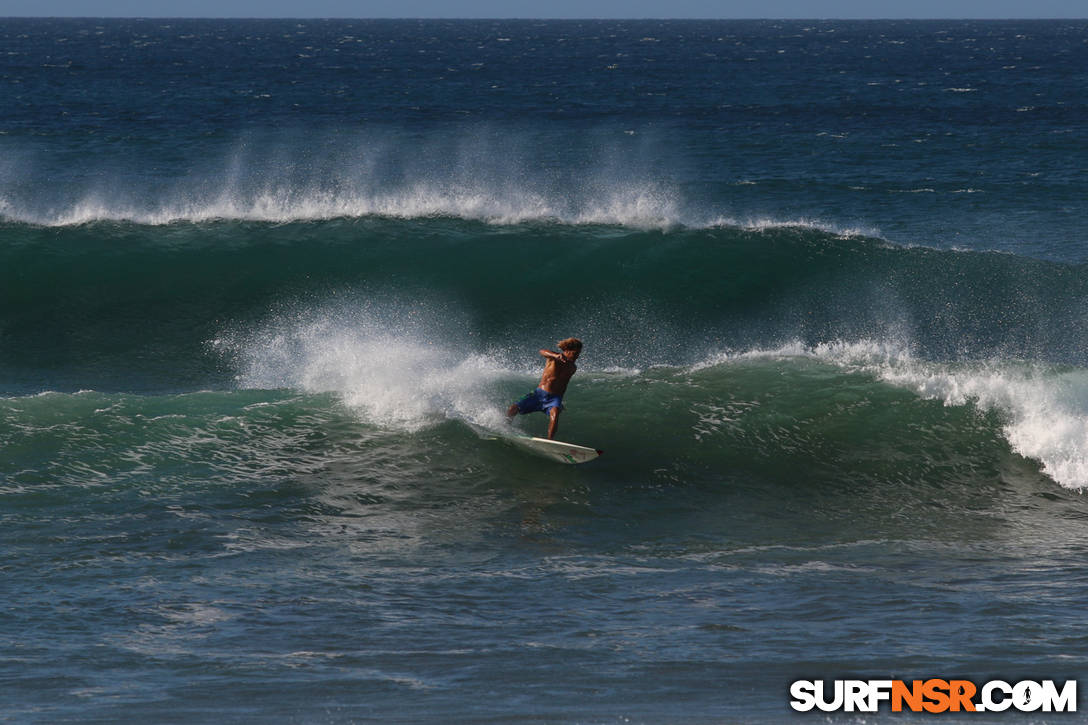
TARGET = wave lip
x,y
1044,409
636,206
495,176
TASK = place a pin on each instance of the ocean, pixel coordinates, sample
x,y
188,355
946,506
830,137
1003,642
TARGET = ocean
x,y
266,285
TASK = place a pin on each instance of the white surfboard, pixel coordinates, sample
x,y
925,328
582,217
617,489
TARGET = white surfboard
x,y
552,450
556,450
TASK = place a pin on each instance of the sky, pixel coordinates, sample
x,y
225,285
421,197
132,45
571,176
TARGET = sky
x,y
549,8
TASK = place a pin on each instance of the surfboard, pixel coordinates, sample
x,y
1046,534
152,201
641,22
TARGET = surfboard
x,y
556,450
552,450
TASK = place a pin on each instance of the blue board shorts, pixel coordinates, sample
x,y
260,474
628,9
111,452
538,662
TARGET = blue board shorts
x,y
540,400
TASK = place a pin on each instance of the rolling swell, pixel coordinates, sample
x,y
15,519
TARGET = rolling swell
x,y
737,422
92,305
414,322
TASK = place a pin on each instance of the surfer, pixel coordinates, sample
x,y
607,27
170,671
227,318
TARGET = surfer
x,y
548,396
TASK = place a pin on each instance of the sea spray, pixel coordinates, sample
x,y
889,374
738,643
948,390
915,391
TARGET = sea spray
x,y
401,365
486,174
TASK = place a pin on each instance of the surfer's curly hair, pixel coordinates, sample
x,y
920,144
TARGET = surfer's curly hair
x,y
571,344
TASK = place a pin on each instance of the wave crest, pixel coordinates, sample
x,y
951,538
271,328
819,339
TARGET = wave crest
x,y
1044,408
639,206
497,176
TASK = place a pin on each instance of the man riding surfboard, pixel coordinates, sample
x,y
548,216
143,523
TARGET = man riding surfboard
x,y
548,396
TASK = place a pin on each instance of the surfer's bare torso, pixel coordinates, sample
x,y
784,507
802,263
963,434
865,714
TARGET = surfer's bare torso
x,y
558,371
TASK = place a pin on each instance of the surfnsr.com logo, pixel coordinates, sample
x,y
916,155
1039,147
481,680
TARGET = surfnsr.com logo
x,y
933,696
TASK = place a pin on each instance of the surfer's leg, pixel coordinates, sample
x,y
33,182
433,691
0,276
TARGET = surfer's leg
x,y
512,411
553,423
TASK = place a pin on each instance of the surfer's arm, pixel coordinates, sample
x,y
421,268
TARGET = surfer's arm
x,y
551,354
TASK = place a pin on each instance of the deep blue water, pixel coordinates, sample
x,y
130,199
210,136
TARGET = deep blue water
x,y
262,283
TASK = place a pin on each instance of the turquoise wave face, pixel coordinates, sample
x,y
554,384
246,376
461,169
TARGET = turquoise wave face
x,y
839,417
122,306
737,421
